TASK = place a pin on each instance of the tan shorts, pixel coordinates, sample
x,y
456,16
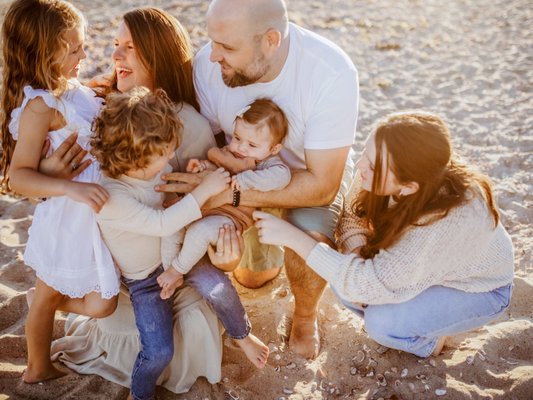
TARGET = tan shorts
x,y
260,257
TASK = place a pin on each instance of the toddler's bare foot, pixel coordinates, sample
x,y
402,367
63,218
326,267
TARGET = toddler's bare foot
x,y
439,346
256,351
51,372
304,339
30,294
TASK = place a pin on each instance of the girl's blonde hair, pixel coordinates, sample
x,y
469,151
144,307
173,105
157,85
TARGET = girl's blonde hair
x,y
132,128
34,49
418,149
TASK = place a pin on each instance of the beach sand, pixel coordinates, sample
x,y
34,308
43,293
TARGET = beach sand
x,y
471,62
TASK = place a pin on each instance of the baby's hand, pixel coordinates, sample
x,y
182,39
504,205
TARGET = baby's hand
x,y
194,165
169,281
235,183
91,194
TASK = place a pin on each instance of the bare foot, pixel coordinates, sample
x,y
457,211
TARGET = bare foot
x,y
439,346
256,351
30,294
36,377
304,339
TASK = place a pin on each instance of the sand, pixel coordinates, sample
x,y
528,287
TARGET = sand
x,y
471,62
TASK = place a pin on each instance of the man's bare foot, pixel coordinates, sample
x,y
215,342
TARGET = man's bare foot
x,y
30,294
35,377
256,351
439,346
304,339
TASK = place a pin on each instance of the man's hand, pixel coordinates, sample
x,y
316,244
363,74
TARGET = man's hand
x,y
66,161
180,182
229,249
169,281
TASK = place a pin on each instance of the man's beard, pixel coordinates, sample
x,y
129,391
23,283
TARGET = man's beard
x,y
245,78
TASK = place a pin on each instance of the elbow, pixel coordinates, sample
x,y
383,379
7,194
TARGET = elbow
x,y
14,181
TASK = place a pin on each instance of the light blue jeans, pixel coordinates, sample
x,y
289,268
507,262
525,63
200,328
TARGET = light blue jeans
x,y
415,325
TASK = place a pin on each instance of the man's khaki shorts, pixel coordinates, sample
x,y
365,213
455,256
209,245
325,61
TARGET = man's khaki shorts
x,y
260,257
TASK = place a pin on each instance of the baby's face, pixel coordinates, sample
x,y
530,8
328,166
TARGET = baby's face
x,y
250,141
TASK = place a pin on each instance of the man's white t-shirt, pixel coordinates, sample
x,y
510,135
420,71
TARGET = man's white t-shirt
x,y
317,89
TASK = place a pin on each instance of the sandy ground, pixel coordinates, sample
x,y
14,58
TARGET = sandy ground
x,y
472,62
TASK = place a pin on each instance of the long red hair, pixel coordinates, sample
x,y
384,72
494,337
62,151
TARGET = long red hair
x,y
418,149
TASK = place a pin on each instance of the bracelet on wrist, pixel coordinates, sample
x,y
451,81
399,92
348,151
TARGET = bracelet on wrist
x,y
236,198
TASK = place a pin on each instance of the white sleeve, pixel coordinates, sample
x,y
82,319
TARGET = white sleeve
x,y
332,114
202,72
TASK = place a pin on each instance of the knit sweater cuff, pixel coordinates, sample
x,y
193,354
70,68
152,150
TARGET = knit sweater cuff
x,y
352,242
325,261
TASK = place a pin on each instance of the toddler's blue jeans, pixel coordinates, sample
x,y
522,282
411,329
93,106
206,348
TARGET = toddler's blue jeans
x,y
153,317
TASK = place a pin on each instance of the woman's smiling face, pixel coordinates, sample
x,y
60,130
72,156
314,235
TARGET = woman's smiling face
x,y
128,66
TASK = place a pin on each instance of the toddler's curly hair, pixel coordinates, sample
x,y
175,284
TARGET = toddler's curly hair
x,y
133,127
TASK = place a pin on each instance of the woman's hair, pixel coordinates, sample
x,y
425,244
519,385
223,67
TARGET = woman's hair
x,y
418,149
266,113
34,49
165,51
132,128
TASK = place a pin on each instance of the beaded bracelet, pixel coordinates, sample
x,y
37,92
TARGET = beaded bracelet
x,y
236,198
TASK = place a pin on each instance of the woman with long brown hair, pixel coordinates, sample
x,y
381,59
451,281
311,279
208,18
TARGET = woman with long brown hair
x,y
423,253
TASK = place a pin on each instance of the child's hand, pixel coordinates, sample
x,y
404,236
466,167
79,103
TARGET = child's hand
x,y
169,281
91,194
194,165
235,183
213,183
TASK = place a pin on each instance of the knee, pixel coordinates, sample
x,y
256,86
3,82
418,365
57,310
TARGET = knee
x,y
103,309
380,325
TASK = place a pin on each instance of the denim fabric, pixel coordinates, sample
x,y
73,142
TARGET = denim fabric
x,y
153,317
216,288
415,325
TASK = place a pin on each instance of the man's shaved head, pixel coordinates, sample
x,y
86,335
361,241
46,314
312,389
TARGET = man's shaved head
x,y
255,16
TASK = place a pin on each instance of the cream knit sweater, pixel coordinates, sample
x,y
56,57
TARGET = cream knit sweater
x,y
462,251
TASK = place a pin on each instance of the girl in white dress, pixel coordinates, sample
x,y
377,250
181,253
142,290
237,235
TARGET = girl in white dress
x,y
43,47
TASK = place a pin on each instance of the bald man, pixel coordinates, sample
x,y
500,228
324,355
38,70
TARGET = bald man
x,y
255,52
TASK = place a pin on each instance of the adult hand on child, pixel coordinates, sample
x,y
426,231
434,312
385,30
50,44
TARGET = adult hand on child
x,y
169,281
66,161
229,249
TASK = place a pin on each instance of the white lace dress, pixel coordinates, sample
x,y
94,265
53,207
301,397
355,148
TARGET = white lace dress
x,y
64,245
